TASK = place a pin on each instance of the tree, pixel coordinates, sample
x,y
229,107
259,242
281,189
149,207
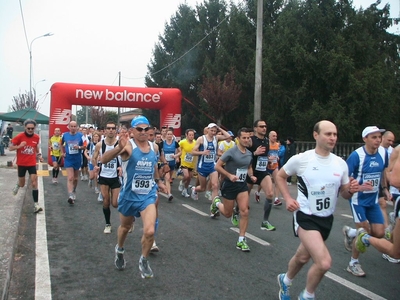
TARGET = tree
x,y
23,101
222,96
99,116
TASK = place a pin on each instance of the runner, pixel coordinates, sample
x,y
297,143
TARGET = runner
x,y
108,173
71,149
235,165
27,145
187,162
321,174
139,191
55,152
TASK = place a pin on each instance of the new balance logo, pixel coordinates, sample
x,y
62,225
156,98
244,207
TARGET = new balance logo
x,y
172,120
61,116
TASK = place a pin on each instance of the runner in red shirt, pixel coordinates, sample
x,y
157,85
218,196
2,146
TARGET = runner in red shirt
x,y
27,145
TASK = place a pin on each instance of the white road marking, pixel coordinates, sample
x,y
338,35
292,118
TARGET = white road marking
x,y
354,287
347,216
42,267
196,210
252,237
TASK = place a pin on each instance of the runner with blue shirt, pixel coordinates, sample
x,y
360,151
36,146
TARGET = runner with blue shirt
x,y
72,146
367,165
138,191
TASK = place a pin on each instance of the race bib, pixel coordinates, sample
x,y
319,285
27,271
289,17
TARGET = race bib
x,y
209,158
241,174
111,165
321,199
141,184
374,179
72,150
188,158
169,157
261,164
56,146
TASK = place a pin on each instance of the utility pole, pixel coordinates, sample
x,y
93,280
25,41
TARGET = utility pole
x,y
258,72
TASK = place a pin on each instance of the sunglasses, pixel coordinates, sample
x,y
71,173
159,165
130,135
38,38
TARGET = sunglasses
x,y
30,128
111,128
140,129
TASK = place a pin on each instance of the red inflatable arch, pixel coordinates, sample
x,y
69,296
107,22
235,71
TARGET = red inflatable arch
x,y
64,95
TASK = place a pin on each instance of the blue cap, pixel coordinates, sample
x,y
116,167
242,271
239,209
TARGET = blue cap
x,y
230,133
139,120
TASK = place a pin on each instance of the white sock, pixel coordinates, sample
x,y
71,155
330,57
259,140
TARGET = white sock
x,y
353,261
307,295
286,280
218,203
352,233
257,193
241,238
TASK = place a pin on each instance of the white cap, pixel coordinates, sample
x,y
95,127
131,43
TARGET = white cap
x,y
211,125
371,129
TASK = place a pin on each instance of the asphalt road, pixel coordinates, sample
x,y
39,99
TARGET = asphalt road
x,y
64,254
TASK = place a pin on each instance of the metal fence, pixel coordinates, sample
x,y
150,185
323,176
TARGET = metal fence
x,y
342,149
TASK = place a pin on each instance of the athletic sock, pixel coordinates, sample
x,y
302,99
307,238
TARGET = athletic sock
x,y
267,208
107,214
35,195
287,280
352,233
353,261
241,238
307,295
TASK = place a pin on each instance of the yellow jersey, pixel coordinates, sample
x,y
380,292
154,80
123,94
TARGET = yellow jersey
x,y
187,159
55,144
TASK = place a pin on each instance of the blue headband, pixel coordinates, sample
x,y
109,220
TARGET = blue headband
x,y
139,120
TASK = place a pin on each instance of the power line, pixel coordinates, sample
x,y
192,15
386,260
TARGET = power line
x,y
23,23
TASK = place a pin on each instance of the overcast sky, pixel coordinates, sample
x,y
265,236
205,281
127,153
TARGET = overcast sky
x,y
93,40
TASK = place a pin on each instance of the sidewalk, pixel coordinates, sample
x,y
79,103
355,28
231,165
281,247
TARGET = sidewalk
x,y
10,213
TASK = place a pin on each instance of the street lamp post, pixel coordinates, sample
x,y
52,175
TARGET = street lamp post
x,y
30,60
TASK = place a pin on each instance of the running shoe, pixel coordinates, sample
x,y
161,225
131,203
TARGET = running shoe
x,y
170,197
185,193
283,288
301,297
90,183
266,225
71,199
54,180
391,259
179,172
181,186
392,218
214,207
107,229
132,228
243,246
257,196
360,245
144,267
100,198
356,270
15,189
277,202
96,190
119,258
37,208
388,233
193,194
235,218
208,195
154,248
348,241
289,183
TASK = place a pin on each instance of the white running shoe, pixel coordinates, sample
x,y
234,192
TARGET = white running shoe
x,y
100,198
193,194
96,190
208,195
181,186
185,193
107,229
37,208
391,259
154,248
